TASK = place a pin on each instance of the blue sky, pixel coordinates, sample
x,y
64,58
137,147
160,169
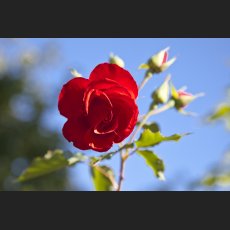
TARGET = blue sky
x,y
203,65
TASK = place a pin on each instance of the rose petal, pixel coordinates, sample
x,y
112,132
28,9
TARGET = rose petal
x,y
106,127
183,93
98,107
126,112
108,85
165,57
101,142
103,84
70,101
77,131
117,74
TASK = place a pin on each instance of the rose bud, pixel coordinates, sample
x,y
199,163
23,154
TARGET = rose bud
x,y
161,94
100,110
159,62
114,59
183,98
75,73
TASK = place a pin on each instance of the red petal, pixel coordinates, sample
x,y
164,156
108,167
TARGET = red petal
x,y
119,92
126,112
101,142
108,85
103,84
183,93
165,58
77,131
70,101
81,134
106,127
98,107
117,74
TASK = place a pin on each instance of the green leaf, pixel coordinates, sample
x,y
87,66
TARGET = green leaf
x,y
154,105
220,180
149,138
51,162
222,111
154,162
143,66
154,127
174,137
127,146
103,178
209,181
174,92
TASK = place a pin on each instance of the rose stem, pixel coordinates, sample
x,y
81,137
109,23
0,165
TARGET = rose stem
x,y
167,106
147,77
121,174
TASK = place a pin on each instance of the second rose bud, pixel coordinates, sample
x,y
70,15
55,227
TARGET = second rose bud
x,y
161,94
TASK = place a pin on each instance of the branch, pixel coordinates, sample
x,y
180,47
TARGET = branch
x,y
110,154
121,174
165,107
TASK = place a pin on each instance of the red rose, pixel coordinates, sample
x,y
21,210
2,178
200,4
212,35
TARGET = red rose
x,y
100,110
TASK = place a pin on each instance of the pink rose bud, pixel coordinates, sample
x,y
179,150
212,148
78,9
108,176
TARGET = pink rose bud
x,y
184,98
159,62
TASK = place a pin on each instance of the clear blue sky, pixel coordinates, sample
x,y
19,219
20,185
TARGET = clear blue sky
x,y
203,65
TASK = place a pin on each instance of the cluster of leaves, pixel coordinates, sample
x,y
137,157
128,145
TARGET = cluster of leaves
x,y
163,98
219,175
50,162
22,137
103,176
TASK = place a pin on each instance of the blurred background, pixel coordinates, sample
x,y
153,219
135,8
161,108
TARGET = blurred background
x,y
33,70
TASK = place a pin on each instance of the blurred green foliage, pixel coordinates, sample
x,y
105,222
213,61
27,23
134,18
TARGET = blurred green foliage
x,y
21,136
219,174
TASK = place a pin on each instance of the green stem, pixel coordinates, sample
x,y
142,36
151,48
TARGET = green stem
x,y
165,107
148,76
106,156
121,173
110,154
125,156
